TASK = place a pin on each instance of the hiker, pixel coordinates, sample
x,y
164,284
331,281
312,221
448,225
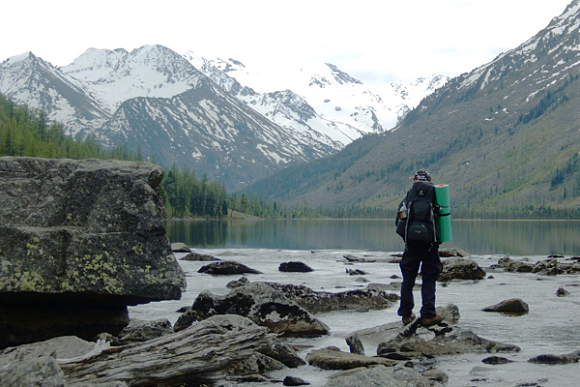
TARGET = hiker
x,y
417,225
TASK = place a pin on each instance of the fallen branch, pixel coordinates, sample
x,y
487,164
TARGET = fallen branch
x,y
208,351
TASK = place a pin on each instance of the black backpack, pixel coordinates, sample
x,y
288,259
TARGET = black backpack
x,y
420,224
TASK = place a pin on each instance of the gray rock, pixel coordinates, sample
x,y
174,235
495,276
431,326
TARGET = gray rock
x,y
399,342
380,376
199,257
352,258
555,359
511,265
440,341
262,303
373,337
436,376
243,281
143,330
294,381
551,266
179,247
295,267
64,347
43,371
227,268
355,272
282,353
332,358
453,252
319,302
312,301
355,345
561,292
450,313
496,360
512,306
79,241
461,269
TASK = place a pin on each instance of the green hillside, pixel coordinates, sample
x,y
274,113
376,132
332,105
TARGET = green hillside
x,y
505,137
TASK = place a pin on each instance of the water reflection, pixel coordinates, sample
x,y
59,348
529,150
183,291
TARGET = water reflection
x,y
477,237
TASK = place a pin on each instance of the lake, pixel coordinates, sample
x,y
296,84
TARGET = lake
x,y
513,237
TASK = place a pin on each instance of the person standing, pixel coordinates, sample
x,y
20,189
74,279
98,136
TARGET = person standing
x,y
416,223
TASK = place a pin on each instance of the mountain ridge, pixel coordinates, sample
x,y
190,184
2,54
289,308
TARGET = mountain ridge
x,y
346,108
501,136
117,95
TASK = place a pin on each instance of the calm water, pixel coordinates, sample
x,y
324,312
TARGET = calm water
x,y
475,237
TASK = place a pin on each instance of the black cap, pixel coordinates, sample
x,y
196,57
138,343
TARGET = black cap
x,y
422,175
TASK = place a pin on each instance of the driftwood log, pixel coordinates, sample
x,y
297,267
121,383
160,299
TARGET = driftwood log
x,y
219,348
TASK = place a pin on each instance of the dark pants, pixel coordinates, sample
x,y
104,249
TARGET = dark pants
x,y
415,253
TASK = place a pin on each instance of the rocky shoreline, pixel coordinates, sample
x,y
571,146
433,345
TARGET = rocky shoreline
x,y
88,240
230,340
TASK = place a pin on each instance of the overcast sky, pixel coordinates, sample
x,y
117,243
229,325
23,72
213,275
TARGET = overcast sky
x,y
373,40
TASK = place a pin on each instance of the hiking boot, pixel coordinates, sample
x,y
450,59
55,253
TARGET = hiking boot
x,y
408,319
428,321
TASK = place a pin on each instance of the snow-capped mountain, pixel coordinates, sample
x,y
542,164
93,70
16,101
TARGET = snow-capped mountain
x,y
207,128
341,107
116,76
157,101
30,80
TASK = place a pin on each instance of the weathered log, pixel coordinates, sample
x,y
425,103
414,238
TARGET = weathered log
x,y
214,349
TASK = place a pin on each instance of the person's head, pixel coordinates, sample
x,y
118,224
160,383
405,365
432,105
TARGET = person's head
x,y
422,175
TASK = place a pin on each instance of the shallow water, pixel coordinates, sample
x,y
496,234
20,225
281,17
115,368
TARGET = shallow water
x,y
551,326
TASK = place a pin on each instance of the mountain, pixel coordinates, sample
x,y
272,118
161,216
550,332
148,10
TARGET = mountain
x,y
504,137
156,102
210,129
159,104
29,80
116,76
316,99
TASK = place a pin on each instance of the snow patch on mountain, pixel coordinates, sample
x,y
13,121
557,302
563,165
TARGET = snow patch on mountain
x,y
119,75
342,108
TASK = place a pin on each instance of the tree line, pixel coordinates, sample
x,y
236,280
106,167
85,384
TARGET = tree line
x,y
26,132
187,196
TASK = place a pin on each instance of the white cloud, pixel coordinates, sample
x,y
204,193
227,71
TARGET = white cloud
x,y
372,40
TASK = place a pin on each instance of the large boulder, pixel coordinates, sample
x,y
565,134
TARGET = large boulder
x,y
79,241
